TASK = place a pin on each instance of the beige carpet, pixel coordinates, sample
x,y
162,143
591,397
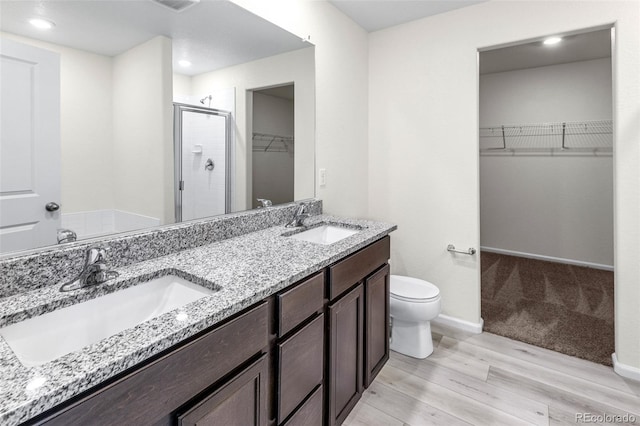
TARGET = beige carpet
x,y
566,308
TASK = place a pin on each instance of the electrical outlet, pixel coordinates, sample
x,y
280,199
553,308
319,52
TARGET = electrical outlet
x,y
322,177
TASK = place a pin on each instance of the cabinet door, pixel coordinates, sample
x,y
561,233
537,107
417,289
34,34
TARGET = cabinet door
x,y
376,323
242,401
346,318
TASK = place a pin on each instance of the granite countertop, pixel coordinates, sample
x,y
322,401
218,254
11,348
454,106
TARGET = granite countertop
x,y
244,270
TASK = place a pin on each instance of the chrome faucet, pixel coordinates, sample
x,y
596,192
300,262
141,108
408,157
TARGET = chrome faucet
x,y
298,216
95,270
264,202
66,236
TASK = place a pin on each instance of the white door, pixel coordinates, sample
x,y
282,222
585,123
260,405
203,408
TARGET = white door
x,y
29,146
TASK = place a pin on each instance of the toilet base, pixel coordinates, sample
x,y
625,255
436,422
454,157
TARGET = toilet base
x,y
411,338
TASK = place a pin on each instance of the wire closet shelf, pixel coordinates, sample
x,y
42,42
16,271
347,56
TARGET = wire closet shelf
x,y
264,142
567,138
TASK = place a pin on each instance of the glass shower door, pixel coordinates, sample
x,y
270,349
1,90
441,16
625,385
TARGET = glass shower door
x,y
202,162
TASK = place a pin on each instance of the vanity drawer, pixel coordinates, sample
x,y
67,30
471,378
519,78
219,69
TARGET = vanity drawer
x,y
344,274
309,413
300,366
299,303
150,394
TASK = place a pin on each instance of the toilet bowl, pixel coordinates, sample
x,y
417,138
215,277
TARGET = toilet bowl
x,y
413,304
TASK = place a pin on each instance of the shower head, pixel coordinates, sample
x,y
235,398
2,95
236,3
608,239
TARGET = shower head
x,y
205,98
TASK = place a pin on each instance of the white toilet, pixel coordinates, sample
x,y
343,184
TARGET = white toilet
x,y
413,304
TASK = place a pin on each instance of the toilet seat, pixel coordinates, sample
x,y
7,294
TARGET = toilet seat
x,y
413,290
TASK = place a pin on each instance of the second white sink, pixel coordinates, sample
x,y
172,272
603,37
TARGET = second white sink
x,y
46,337
325,234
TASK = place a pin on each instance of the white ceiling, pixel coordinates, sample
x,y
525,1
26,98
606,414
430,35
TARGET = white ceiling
x,y
572,48
216,34
212,34
374,15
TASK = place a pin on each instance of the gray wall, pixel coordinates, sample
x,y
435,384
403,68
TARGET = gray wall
x,y
273,172
554,206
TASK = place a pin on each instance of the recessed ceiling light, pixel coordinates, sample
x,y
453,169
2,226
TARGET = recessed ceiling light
x,y
42,24
552,40
184,63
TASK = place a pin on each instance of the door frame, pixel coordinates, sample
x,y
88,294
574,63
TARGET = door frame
x,y
178,109
614,60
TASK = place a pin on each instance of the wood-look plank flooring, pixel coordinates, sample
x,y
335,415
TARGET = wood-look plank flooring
x,y
487,379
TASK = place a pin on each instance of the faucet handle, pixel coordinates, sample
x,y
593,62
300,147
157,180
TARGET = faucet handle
x,y
95,254
302,209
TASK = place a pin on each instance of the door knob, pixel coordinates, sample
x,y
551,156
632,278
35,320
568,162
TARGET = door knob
x,y
52,207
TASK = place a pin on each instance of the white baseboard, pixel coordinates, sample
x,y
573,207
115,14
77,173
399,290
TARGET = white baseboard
x,y
624,370
471,327
548,258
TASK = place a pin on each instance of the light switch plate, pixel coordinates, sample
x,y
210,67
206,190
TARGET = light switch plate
x,y
322,177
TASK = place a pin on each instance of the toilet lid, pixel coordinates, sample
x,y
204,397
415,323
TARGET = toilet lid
x,y
408,288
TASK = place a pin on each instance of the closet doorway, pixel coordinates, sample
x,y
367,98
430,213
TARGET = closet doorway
x,y
273,145
546,193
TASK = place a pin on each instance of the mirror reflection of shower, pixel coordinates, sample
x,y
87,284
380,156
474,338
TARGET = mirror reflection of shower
x,y
208,97
273,145
203,137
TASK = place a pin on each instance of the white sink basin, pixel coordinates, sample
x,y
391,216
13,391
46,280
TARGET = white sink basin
x,y
49,336
325,234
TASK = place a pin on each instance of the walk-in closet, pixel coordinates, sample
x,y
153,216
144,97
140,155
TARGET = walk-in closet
x,y
546,193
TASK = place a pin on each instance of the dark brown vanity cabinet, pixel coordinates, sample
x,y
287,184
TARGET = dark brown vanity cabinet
x,y
356,329
376,335
346,318
153,393
300,352
358,326
301,357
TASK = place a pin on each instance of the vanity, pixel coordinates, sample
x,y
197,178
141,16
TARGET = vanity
x,y
286,325
291,334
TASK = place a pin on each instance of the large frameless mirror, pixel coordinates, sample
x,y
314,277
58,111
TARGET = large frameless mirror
x,y
125,115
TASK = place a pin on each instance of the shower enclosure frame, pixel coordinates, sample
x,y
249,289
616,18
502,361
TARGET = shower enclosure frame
x,y
178,110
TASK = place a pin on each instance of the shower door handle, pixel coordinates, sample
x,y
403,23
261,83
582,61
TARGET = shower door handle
x,y
209,165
